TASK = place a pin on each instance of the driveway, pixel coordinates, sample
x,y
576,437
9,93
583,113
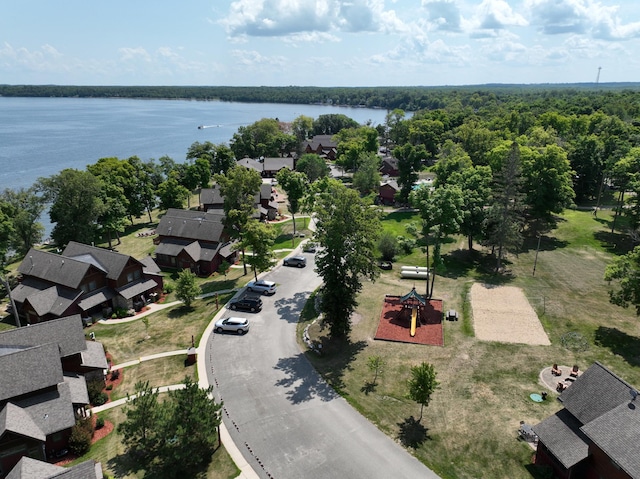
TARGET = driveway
x,y
286,421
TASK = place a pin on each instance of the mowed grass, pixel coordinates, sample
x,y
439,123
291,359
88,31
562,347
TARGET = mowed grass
x,y
469,429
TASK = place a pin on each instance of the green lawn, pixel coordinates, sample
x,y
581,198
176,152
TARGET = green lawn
x,y
470,427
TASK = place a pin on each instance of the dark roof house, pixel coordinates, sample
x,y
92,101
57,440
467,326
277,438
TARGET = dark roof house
x,y
41,396
82,280
193,240
596,434
322,145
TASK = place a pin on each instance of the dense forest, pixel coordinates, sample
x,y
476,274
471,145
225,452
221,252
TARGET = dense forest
x,y
582,98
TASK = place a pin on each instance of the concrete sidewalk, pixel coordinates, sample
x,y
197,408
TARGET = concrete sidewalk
x,y
149,358
120,402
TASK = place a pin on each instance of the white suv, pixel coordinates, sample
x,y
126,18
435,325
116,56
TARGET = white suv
x,y
262,286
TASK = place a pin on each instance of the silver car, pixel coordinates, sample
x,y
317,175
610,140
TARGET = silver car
x,y
233,325
262,286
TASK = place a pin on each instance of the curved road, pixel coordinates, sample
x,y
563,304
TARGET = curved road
x,y
286,421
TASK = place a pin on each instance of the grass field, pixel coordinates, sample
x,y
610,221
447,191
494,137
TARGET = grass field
x,y
469,429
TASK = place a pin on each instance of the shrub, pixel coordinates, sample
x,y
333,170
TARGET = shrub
x,y
388,246
109,387
168,288
115,374
80,440
99,423
96,396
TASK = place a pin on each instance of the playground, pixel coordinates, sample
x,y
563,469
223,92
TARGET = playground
x,y
411,319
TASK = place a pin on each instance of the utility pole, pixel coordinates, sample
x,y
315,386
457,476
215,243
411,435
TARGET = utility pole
x,y
535,262
598,77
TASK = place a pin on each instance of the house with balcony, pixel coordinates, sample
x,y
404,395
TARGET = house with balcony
x,y
193,240
82,280
43,391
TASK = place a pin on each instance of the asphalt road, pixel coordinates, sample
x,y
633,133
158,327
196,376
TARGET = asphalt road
x,y
286,421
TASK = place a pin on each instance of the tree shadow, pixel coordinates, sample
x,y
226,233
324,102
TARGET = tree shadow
x,y
179,311
619,343
615,243
124,465
303,382
369,387
412,433
547,243
289,308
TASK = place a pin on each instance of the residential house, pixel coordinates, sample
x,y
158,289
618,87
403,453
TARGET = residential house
x,y
387,192
42,393
389,166
596,434
28,468
322,145
82,280
193,240
268,167
267,206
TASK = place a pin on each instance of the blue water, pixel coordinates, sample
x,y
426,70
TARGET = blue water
x,y
39,137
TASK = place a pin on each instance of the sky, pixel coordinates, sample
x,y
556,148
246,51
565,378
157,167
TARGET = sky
x,y
319,42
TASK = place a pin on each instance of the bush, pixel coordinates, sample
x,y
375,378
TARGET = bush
x,y
388,246
80,440
115,374
99,423
109,387
96,396
168,288
406,245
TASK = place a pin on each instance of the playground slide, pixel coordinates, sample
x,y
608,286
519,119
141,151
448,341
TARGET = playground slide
x,y
414,318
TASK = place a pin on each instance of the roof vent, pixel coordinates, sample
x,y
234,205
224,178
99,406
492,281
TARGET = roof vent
x,y
633,393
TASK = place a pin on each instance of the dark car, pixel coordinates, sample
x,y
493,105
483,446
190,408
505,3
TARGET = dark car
x,y
386,265
299,261
246,304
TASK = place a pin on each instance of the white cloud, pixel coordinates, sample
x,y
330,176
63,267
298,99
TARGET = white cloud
x,y
252,58
134,54
443,14
581,17
493,15
281,18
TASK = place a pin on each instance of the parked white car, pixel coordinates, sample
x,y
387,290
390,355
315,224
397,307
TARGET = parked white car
x,y
233,325
262,286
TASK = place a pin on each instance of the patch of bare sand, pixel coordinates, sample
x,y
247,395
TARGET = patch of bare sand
x,y
503,313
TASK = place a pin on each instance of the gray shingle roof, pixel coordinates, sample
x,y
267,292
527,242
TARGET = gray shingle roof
x,y
150,266
594,393
77,388
211,196
138,287
29,370
617,433
67,332
51,411
561,434
94,356
113,263
28,468
54,268
18,421
193,225
54,300
251,164
96,297
277,163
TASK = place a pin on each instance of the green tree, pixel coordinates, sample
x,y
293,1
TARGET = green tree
x,y
313,166
262,138
186,287
259,238
6,231
239,187
475,185
409,163
332,123
219,157
140,430
171,193
388,246
76,205
295,185
505,216
367,178
348,231
24,207
301,127
625,270
376,364
190,429
422,385
146,178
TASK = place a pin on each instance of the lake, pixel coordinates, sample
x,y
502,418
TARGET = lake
x,y
39,137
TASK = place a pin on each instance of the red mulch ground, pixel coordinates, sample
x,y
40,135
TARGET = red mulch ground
x,y
395,323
